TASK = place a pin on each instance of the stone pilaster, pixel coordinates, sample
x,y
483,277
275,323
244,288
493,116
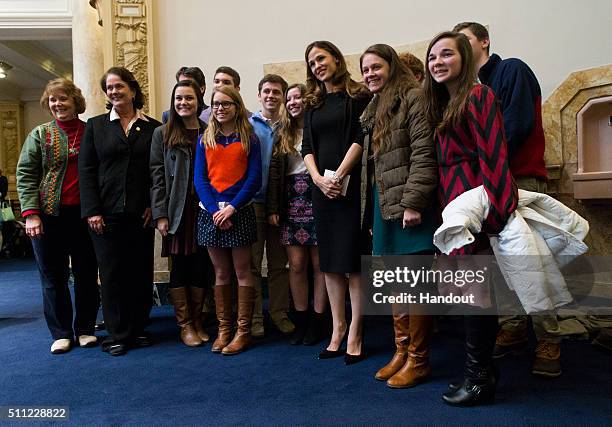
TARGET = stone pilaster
x,y
11,140
88,60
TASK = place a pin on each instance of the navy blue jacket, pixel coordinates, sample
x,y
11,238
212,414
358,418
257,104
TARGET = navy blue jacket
x,y
518,90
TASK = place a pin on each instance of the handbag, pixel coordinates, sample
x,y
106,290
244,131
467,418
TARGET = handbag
x,y
6,211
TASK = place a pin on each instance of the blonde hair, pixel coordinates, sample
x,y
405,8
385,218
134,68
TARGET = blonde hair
x,y
289,129
243,127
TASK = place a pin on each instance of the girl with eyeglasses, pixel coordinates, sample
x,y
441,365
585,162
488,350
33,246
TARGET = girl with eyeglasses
x,y
227,176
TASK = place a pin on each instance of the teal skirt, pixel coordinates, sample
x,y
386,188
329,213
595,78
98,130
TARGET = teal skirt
x,y
389,238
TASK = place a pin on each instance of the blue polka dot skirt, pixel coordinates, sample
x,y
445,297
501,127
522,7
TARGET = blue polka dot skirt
x,y
243,231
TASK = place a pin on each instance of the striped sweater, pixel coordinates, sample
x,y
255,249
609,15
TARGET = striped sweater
x,y
474,153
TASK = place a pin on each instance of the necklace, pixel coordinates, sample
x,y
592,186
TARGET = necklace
x,y
72,150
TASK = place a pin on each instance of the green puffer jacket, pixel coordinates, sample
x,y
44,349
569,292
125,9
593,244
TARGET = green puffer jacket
x,y
406,174
41,169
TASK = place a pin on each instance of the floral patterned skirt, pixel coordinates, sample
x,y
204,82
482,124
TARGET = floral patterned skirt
x,y
299,228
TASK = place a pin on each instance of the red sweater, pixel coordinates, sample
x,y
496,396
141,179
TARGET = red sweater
x,y
74,130
475,153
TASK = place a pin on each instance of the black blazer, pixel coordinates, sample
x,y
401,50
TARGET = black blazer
x,y
114,168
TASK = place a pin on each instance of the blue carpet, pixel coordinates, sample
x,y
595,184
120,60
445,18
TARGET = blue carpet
x,y
273,383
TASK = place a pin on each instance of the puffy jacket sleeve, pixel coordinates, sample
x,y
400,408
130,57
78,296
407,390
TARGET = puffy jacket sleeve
x,y
422,181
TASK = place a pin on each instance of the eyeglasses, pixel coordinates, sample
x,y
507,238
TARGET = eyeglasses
x,y
222,104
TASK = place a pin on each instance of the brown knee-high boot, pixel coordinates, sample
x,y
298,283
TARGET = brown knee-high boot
x,y
183,318
242,339
401,324
197,302
416,369
223,307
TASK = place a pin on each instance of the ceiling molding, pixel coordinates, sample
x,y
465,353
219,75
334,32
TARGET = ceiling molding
x,y
36,13
40,55
36,22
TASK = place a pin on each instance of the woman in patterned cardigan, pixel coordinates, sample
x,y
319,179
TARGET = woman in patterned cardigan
x,y
48,188
471,151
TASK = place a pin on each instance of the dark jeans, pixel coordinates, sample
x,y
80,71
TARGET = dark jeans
x,y
125,257
192,270
65,239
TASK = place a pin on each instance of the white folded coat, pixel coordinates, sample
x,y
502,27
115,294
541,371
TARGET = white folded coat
x,y
539,237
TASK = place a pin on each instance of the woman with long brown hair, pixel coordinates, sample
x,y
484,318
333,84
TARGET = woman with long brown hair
x,y
403,176
332,152
174,207
471,151
289,204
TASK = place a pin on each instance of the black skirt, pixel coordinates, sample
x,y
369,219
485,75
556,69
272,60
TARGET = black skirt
x,y
243,231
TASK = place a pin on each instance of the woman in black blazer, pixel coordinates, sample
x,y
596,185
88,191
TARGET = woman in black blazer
x,y
115,183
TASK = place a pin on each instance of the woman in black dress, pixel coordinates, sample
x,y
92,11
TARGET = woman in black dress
x,y
332,152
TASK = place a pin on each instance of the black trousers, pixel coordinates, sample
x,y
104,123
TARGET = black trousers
x,y
192,270
125,259
64,240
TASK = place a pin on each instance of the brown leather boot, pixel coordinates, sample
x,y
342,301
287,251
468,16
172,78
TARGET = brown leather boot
x,y
223,307
242,339
183,319
401,324
416,369
197,302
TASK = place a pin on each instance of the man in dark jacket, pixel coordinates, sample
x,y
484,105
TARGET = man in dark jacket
x,y
518,90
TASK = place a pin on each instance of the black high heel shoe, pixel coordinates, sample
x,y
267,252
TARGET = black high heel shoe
x,y
331,354
351,359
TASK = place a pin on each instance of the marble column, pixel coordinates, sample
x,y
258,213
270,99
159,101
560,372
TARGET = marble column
x,y
87,54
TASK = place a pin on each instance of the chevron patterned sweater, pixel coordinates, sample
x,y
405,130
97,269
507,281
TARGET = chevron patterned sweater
x,y
474,153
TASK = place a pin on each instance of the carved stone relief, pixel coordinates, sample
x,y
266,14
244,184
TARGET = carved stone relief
x,y
11,140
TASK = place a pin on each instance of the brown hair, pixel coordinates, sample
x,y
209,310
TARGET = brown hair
x,y
414,64
443,112
127,76
194,73
479,31
175,133
400,82
273,78
315,89
243,126
69,88
230,72
289,129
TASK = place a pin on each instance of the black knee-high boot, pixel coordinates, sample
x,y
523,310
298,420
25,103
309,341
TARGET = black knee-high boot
x,y
480,375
